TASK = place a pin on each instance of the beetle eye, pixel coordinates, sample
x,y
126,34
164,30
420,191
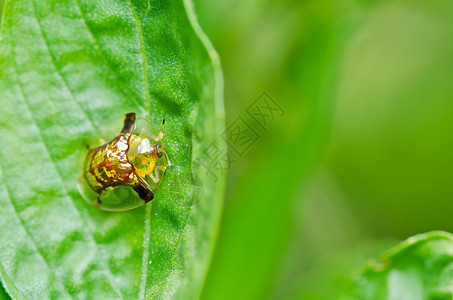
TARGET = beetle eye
x,y
158,146
159,154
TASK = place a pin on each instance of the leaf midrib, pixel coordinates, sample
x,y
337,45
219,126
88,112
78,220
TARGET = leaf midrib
x,y
147,223
144,56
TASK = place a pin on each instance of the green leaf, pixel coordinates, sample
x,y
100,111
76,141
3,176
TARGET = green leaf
x,y
419,268
3,294
69,71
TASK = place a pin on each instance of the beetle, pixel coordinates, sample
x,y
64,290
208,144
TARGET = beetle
x,y
133,159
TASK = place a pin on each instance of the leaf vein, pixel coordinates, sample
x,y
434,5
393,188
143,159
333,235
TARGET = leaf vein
x,y
109,274
145,58
25,229
7,190
57,69
145,257
99,50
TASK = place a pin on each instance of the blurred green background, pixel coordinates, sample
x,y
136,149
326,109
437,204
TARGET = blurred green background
x,y
361,159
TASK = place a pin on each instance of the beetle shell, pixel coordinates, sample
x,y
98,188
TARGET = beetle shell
x,y
108,165
111,170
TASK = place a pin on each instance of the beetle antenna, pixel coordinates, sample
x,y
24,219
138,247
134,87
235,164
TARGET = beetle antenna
x,y
168,158
162,131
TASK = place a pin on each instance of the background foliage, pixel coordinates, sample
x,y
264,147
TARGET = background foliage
x,y
419,268
362,157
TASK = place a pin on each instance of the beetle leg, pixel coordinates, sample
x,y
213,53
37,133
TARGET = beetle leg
x,y
97,202
153,178
159,137
154,174
143,191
